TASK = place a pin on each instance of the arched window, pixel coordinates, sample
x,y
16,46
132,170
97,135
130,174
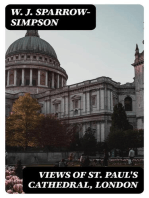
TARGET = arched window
x,y
128,104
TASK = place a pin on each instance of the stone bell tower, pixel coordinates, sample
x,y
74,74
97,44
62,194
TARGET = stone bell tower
x,y
139,87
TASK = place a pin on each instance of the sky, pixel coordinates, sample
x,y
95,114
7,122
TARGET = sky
x,y
108,50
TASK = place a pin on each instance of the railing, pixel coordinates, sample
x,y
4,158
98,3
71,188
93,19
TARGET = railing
x,y
97,80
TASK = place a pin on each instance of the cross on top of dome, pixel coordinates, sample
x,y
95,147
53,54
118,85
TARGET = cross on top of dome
x,y
32,33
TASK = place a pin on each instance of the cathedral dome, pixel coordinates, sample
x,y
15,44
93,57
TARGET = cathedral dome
x,y
31,43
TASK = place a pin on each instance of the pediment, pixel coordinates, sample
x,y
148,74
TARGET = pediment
x,y
76,97
56,101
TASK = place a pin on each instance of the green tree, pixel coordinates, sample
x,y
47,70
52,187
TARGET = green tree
x,y
23,119
124,140
89,141
119,119
134,138
117,136
51,133
116,140
76,143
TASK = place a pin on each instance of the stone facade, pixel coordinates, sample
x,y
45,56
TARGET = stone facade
x,y
139,87
88,103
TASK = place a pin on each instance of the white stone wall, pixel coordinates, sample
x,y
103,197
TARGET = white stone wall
x,y
102,98
140,124
86,111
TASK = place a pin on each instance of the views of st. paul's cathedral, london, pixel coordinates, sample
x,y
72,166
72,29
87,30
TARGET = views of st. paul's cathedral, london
x,y
32,66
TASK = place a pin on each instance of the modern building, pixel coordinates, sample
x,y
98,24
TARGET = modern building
x,y
32,66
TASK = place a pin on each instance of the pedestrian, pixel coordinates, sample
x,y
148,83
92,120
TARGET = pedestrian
x,y
131,155
82,159
106,156
71,157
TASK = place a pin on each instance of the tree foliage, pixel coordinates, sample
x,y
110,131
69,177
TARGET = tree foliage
x,y
121,135
23,119
26,127
119,119
89,141
52,133
76,143
126,139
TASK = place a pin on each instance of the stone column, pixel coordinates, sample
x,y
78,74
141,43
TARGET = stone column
x,y
15,77
22,77
105,97
84,128
31,78
48,106
79,107
98,99
62,82
106,128
46,78
66,105
57,80
88,102
71,107
62,107
52,80
52,107
8,78
98,132
102,98
84,103
102,131
45,107
38,77
111,101
108,99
